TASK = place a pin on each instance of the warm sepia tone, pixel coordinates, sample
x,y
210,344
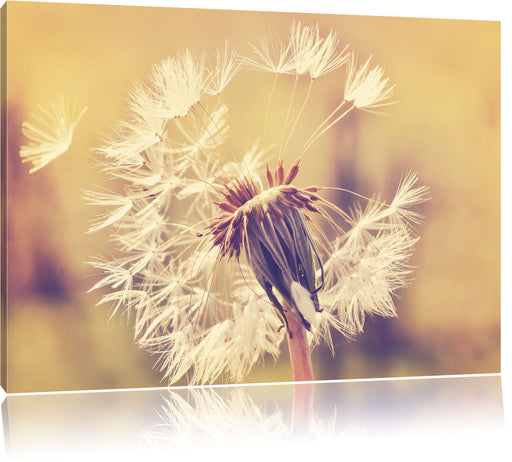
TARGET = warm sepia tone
x,y
445,127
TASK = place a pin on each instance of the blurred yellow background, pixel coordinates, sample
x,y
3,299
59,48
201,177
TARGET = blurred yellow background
x,y
446,127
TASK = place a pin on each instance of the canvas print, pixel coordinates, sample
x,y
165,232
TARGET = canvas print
x,y
196,197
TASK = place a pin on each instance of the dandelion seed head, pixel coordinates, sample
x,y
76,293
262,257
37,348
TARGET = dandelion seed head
x,y
407,197
227,64
270,55
213,248
50,132
176,85
367,88
314,54
306,52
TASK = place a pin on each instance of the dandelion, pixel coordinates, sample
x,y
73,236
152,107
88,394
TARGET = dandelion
x,y
306,52
228,64
50,132
175,86
218,254
270,55
367,89
313,53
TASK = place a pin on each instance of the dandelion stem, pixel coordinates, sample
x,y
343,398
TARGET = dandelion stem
x,y
298,347
321,130
292,96
267,111
299,114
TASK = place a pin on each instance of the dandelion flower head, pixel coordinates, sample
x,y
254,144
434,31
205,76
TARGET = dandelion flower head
x,y
214,244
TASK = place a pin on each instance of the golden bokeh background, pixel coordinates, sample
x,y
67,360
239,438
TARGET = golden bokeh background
x,y
446,127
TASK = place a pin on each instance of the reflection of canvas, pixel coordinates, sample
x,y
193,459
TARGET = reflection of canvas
x,y
221,263
352,415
